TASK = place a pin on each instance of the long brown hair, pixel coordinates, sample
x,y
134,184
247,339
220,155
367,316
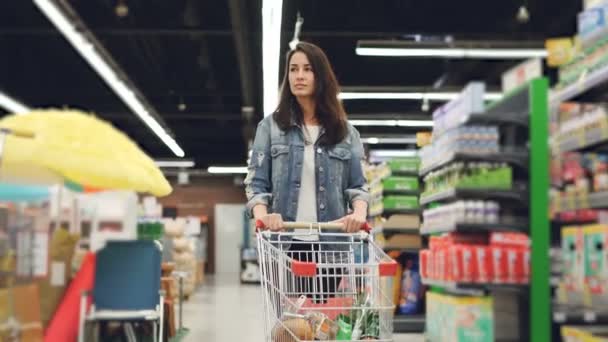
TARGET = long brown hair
x,y
328,108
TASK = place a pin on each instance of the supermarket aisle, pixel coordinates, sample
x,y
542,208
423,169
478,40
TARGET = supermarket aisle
x,y
223,310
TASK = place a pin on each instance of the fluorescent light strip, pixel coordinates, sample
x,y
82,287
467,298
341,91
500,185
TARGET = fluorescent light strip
x,y
87,51
227,169
174,163
393,123
272,12
453,53
409,96
381,140
392,153
11,105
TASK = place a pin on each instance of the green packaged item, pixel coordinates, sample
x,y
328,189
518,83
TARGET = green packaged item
x,y
150,230
400,202
345,328
404,164
401,183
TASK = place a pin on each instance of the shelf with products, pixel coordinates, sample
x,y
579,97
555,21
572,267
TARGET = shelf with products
x,y
482,254
408,323
571,314
479,194
503,226
516,158
474,289
579,139
585,81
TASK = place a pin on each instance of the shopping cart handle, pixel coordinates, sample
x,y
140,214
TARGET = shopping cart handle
x,y
259,225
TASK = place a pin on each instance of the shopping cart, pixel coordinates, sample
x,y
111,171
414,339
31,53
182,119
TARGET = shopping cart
x,y
322,284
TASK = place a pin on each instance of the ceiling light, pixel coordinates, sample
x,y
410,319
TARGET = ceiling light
x,y
174,163
87,50
11,105
453,53
393,153
432,96
272,12
389,140
388,123
296,32
227,169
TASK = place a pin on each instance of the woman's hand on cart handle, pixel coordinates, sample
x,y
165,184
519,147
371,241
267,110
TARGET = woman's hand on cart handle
x,y
353,223
273,222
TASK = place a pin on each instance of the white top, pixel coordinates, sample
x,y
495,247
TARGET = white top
x,y
307,198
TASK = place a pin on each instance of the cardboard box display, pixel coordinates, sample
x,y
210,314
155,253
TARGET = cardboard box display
x,y
401,221
22,303
404,241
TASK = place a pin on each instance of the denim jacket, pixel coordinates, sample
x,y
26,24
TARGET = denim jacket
x,y
275,171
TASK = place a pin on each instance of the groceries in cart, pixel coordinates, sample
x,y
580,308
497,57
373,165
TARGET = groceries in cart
x,y
299,324
326,289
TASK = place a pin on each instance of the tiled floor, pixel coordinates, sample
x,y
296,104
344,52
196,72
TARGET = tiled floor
x,y
222,310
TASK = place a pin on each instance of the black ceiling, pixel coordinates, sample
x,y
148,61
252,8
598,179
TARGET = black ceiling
x,y
185,51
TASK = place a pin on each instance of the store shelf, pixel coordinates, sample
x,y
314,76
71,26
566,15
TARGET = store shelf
x,y
475,289
577,88
401,211
578,315
409,323
401,249
479,194
505,226
593,139
517,158
402,192
412,173
595,200
410,231
513,108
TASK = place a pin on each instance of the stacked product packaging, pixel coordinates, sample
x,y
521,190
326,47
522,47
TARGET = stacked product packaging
x,y
585,269
472,259
590,51
501,258
459,318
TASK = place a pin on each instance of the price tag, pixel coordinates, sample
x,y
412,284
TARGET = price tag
x,y
590,316
559,317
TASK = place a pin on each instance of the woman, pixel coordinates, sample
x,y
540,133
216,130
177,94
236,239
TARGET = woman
x,y
306,158
306,162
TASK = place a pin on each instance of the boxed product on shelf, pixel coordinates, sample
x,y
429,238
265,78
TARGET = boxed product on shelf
x,y
400,183
496,176
409,164
587,333
404,241
411,293
402,221
585,61
596,266
459,319
573,271
465,139
453,113
461,212
400,202
593,24
501,258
